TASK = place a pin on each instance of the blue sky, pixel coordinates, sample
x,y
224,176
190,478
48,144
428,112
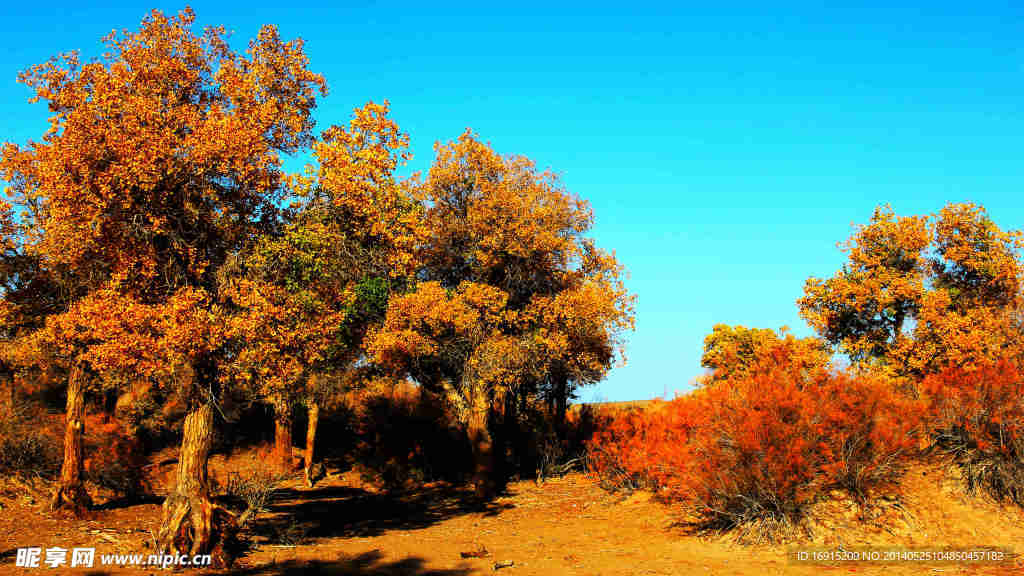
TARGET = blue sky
x,y
725,150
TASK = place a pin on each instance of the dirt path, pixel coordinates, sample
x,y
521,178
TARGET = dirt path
x,y
567,526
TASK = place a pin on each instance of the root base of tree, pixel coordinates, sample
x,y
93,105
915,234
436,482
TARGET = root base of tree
x,y
74,498
195,525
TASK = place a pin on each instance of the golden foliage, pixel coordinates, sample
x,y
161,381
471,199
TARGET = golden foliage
x,y
923,292
513,289
735,352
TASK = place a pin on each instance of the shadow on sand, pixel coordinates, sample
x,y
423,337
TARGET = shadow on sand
x,y
366,564
340,511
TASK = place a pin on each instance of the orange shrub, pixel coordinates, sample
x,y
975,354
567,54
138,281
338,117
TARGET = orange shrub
x,y
30,440
977,416
406,437
760,449
114,458
621,453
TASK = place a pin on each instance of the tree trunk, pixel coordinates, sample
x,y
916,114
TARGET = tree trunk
x,y
561,407
188,516
314,418
8,378
509,451
70,490
283,435
109,405
483,447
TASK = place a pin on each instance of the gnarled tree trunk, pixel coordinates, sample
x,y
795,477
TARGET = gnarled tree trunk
x,y
70,491
483,446
561,405
510,441
314,419
188,516
282,455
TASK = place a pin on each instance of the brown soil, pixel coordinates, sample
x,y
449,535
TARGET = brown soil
x,y
566,526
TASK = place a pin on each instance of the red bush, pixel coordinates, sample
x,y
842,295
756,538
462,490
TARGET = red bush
x,y
30,440
762,448
114,459
406,437
621,453
977,416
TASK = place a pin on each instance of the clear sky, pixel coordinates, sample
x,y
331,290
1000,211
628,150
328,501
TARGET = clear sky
x,y
725,150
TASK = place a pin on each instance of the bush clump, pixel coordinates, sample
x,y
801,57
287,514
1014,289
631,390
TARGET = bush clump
x,y
977,418
115,459
27,448
754,453
406,438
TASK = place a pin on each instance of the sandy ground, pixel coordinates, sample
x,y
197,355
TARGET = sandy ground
x,y
566,526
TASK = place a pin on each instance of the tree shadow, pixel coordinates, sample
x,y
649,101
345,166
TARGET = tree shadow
x,y
365,564
340,511
128,502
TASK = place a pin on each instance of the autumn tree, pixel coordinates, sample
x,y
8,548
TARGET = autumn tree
x,y
28,295
104,341
307,295
36,291
578,331
921,292
732,353
276,332
864,308
163,159
510,289
971,314
32,292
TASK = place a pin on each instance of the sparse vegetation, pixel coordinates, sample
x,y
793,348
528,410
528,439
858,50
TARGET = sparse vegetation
x,y
252,491
26,448
977,418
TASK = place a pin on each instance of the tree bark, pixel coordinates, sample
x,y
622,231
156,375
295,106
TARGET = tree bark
x,y
109,405
70,490
510,441
561,406
8,378
188,515
483,447
314,419
283,435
